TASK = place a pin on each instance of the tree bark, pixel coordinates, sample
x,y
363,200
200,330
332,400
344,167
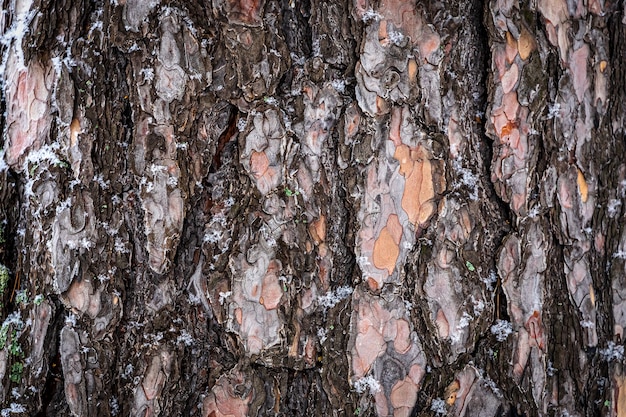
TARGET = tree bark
x,y
316,207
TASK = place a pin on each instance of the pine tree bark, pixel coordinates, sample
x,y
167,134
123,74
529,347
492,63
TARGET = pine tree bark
x,y
327,208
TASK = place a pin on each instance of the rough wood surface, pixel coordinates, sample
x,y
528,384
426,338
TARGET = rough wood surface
x,y
317,207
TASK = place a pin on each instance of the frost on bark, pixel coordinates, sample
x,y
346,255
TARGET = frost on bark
x,y
344,207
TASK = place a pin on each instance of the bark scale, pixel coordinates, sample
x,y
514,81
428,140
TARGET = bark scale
x,y
337,207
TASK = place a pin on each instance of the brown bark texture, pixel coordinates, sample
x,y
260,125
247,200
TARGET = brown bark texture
x,y
312,208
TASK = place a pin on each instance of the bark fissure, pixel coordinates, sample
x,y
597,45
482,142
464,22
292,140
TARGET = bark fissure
x,y
346,207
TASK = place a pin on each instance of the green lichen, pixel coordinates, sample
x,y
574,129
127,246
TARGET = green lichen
x,y
4,333
21,297
4,279
16,372
14,348
38,299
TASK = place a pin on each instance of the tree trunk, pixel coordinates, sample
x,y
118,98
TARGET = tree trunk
x,y
313,207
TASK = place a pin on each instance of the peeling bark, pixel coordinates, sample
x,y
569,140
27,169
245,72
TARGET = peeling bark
x,y
345,207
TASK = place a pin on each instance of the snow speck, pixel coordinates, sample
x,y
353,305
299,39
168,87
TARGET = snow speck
x,y
185,338
322,335
114,406
489,383
553,110
339,85
587,324
368,383
613,206
332,298
490,280
438,406
467,178
128,371
71,320
502,329
397,38
14,408
224,296
370,15
613,352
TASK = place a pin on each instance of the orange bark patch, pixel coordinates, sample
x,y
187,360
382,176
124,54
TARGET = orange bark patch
x,y
239,316
621,396
269,180
419,188
317,229
412,70
373,284
386,247
352,123
499,120
592,295
404,394
74,131
451,392
381,105
259,163
583,189
403,155
382,32
271,293
507,129
223,399
526,44
602,66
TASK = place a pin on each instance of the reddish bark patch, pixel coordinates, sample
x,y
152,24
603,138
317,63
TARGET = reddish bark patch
x,y
419,190
386,247
511,47
271,292
404,395
245,11
510,78
535,329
